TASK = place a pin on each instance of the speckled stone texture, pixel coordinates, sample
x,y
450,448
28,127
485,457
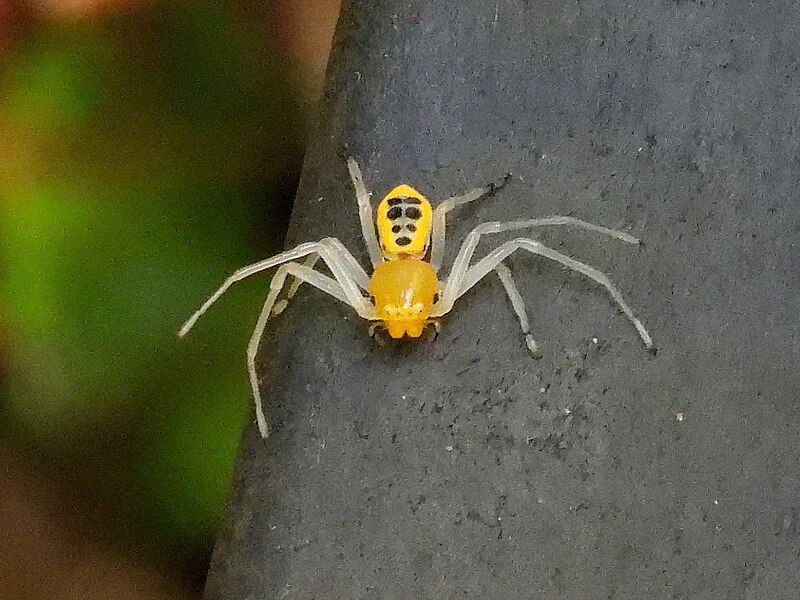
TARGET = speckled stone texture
x,y
461,468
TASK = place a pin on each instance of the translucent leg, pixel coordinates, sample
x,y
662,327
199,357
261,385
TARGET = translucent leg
x,y
244,272
518,303
349,274
281,305
349,263
301,273
440,216
365,213
344,267
490,262
438,231
467,251
309,262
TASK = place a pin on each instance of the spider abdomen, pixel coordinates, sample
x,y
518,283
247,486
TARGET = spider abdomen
x,y
404,292
403,220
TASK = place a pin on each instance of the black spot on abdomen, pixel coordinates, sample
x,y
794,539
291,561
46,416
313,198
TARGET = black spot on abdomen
x,y
412,212
394,213
403,241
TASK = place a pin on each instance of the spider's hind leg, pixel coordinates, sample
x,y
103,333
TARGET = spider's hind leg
x,y
504,273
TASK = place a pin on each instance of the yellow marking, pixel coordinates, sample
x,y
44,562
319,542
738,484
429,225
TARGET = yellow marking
x,y
422,224
404,291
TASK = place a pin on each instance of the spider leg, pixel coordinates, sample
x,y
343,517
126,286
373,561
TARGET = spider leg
x,y
440,213
365,213
348,279
504,273
350,275
344,267
490,262
348,263
281,305
467,251
301,273
244,272
309,262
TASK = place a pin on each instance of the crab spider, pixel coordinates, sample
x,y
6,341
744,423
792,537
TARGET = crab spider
x,y
404,293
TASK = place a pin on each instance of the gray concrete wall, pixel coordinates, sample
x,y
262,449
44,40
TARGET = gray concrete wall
x,y
461,468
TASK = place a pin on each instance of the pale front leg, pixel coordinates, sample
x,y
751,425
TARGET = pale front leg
x,y
349,263
281,306
346,270
349,274
252,347
350,278
245,272
504,273
365,213
341,255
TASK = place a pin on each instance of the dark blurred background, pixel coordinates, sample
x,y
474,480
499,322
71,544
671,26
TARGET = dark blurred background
x,y
147,149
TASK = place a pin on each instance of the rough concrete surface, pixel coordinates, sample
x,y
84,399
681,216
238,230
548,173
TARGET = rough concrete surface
x,y
460,467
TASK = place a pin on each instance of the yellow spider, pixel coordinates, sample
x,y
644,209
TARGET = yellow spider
x,y
404,293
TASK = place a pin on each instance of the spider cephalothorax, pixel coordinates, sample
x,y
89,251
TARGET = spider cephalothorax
x,y
404,292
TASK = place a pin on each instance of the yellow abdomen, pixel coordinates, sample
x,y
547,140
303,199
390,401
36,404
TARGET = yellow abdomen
x,y
404,292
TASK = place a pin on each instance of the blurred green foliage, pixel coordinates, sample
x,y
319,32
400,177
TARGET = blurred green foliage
x,y
142,158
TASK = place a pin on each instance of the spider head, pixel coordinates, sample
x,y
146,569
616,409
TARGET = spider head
x,y
404,223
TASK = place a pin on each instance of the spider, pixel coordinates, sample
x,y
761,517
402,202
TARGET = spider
x,y
404,293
